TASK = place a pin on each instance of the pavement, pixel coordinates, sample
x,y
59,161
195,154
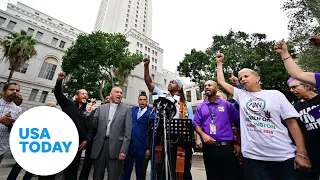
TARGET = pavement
x,y
197,170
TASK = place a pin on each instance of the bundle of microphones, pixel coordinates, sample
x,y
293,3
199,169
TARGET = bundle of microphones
x,y
165,102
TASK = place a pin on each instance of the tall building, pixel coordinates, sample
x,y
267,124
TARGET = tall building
x,y
123,15
38,76
134,19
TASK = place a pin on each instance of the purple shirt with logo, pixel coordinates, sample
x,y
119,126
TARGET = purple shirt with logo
x,y
225,114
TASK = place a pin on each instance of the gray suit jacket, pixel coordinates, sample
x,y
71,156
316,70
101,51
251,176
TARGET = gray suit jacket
x,y
120,130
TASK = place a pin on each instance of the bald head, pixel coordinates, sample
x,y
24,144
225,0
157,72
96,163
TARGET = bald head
x,y
249,71
249,79
116,95
210,88
51,104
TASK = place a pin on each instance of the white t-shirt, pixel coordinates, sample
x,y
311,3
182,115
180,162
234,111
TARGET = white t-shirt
x,y
263,136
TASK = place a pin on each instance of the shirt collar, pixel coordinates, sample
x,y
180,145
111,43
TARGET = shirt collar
x,y
1,99
217,101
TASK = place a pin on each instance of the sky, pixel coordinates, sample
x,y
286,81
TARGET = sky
x,y
180,25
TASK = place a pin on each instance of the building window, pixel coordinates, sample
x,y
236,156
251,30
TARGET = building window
x,y
137,7
136,20
140,52
137,16
127,20
144,25
145,12
43,96
129,6
152,51
152,67
137,51
127,15
126,25
62,43
155,68
48,68
152,76
135,25
30,31
129,2
148,49
144,21
199,96
145,55
2,20
128,10
155,60
33,94
152,59
189,96
39,35
11,25
148,57
143,30
165,81
138,44
137,12
124,92
54,41
156,53
22,69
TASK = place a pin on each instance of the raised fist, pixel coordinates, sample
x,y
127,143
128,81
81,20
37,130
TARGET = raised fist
x,y
281,47
61,76
315,41
219,57
234,80
146,61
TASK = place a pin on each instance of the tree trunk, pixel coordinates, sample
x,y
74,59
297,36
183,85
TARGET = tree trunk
x,y
10,75
100,91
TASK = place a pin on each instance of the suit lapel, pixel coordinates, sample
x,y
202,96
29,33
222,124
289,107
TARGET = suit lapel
x,y
107,114
116,113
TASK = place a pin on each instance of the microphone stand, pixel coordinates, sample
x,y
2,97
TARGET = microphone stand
x,y
165,141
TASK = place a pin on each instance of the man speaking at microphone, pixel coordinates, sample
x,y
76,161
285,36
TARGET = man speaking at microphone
x,y
175,87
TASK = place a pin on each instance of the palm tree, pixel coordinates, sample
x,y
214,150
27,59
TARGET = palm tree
x,y
18,48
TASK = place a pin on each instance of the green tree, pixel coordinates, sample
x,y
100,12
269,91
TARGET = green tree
x,y
304,19
241,50
18,48
98,61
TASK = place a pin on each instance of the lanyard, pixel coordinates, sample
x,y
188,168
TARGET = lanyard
x,y
212,112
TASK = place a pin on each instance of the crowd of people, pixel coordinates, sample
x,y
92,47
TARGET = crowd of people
x,y
259,136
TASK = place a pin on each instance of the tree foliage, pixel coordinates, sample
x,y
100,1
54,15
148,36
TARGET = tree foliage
x,y
304,20
18,48
98,61
241,50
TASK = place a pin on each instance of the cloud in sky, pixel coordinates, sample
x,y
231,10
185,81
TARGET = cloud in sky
x,y
180,25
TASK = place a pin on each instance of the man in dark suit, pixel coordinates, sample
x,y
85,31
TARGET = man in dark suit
x,y
139,149
112,124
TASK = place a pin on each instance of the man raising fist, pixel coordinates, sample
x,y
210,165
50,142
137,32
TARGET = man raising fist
x,y
76,110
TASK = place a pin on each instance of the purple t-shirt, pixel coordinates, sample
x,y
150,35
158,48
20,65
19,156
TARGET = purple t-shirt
x,y
225,114
317,76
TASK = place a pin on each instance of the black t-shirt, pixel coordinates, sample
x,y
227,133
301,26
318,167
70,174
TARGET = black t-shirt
x,y
310,126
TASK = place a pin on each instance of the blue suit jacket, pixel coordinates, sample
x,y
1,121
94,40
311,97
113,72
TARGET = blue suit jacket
x,y
139,133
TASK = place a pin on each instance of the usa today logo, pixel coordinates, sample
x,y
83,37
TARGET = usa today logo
x,y
44,140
